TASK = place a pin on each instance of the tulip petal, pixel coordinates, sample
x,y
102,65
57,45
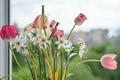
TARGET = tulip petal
x,y
8,32
80,19
108,61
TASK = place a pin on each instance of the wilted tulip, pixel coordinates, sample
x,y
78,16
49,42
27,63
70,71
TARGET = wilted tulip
x,y
38,23
57,32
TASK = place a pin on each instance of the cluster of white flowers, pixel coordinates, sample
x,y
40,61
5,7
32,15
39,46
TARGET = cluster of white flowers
x,y
31,34
20,42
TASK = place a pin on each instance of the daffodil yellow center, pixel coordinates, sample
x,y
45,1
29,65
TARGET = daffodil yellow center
x,y
43,40
61,41
18,43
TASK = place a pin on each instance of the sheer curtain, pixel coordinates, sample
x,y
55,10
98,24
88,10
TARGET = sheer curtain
x,y
4,52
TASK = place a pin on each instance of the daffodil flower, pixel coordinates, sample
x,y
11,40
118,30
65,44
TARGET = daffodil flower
x,y
18,44
61,42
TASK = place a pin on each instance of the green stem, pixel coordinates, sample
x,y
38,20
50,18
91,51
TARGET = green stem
x,y
44,66
54,67
71,31
41,68
31,58
61,63
43,18
42,13
54,56
39,58
67,61
90,60
45,32
30,68
17,60
57,25
12,76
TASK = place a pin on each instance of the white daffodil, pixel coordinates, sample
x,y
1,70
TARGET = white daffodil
x,y
81,52
61,42
17,44
29,33
82,49
80,41
43,42
82,46
24,40
69,47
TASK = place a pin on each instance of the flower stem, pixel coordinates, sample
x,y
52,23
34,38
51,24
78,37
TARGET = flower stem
x,y
71,31
90,60
42,13
44,66
39,59
61,63
43,18
17,60
54,68
33,66
45,32
19,78
30,68
65,70
53,51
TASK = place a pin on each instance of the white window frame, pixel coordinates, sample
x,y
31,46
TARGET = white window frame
x,y
5,56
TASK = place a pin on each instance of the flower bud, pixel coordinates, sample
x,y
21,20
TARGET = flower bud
x,y
108,61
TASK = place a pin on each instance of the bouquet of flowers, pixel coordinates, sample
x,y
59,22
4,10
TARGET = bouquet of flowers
x,y
46,50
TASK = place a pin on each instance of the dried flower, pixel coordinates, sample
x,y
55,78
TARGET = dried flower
x,y
38,23
52,23
57,32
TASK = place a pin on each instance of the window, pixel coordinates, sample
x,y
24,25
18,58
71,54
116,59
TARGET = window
x,y
102,14
4,52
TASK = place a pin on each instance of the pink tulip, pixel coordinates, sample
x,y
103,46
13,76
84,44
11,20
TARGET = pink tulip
x,y
8,32
80,19
52,24
108,61
57,32
38,22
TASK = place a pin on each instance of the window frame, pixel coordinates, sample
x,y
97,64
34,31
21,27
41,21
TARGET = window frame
x,y
5,55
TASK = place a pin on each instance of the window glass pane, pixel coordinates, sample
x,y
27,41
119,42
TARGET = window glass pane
x,y
103,20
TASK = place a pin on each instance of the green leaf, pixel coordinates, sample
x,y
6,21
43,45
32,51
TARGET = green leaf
x,y
75,48
69,74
